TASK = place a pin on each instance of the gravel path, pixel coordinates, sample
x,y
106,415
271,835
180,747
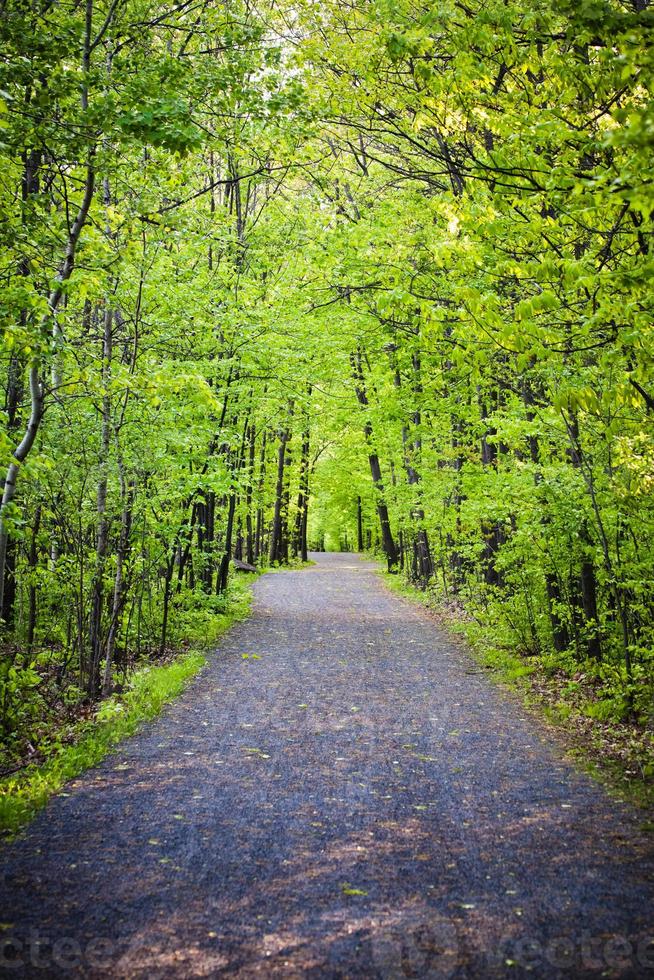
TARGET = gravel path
x,y
359,801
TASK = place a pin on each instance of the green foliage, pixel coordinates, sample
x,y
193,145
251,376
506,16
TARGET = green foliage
x,y
390,261
150,688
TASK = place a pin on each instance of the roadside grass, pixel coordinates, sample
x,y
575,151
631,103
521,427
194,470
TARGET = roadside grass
x,y
148,691
617,752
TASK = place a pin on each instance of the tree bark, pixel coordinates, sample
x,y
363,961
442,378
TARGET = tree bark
x,y
277,533
359,525
26,444
102,533
302,512
388,544
249,531
587,577
33,561
421,565
119,593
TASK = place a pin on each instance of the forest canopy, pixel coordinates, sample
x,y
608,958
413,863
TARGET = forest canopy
x,y
282,276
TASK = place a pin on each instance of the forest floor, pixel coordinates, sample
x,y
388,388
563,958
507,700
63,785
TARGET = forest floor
x,y
340,793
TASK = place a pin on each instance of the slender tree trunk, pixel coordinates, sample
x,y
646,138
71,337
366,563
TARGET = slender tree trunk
x,y
278,536
422,566
30,185
26,444
14,395
33,562
587,577
249,535
183,544
491,531
258,539
20,455
560,634
359,525
119,594
102,534
286,503
301,514
388,544
223,571
205,527
168,578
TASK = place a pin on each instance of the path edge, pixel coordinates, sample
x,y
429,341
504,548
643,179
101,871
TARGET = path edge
x,y
25,794
582,753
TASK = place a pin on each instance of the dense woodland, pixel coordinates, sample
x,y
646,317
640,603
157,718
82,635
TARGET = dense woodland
x,y
360,275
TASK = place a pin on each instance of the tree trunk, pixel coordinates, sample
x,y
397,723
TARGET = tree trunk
x,y
422,567
492,532
301,514
30,185
258,537
24,448
223,571
33,562
277,534
560,633
249,535
102,535
388,544
119,581
168,578
587,577
359,525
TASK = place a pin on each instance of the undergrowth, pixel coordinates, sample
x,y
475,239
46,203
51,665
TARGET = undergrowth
x,y
145,694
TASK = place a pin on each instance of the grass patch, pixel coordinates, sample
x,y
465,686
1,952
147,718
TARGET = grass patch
x,y
149,690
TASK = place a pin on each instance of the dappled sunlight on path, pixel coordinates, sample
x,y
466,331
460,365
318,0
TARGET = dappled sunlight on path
x,y
353,803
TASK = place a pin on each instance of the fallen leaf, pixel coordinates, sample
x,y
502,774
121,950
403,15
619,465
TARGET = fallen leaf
x,y
347,889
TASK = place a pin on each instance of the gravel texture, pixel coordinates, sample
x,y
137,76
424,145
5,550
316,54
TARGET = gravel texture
x,y
359,801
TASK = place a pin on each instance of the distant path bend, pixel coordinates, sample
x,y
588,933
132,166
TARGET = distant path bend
x,y
360,801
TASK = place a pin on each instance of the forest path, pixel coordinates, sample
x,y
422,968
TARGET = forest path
x,y
358,802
